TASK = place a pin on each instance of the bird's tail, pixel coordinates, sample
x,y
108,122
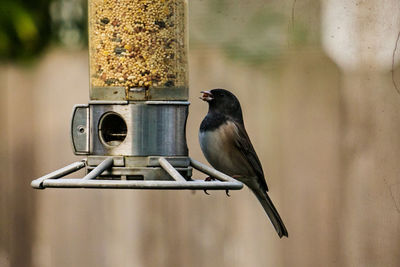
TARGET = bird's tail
x,y
271,211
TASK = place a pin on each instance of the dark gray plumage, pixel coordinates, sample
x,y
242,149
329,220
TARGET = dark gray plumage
x,y
227,147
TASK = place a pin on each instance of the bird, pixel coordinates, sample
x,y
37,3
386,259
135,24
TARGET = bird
x,y
227,147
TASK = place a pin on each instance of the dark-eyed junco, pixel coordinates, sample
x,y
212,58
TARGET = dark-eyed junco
x,y
227,147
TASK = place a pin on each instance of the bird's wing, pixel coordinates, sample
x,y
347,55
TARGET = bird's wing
x,y
243,143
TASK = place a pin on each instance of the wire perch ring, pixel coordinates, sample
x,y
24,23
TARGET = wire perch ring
x,y
178,182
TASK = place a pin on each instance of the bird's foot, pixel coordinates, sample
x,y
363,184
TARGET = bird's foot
x,y
208,179
227,191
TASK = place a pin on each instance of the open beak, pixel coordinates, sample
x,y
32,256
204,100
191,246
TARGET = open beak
x,y
207,96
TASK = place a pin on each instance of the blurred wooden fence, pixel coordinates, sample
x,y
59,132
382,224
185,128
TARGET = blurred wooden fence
x,y
297,114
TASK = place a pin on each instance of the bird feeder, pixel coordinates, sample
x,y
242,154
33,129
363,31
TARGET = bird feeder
x,y
132,131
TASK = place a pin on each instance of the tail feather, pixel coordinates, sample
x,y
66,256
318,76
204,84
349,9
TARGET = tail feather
x,y
271,211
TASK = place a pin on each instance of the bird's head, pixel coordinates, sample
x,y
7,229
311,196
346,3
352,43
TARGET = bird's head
x,y
223,101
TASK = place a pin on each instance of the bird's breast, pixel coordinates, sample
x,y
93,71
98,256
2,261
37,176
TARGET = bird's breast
x,y
218,146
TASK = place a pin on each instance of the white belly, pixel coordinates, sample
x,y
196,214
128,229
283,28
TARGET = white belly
x,y
219,150
212,146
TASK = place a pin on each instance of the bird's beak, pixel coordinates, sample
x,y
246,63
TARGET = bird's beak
x,y
207,96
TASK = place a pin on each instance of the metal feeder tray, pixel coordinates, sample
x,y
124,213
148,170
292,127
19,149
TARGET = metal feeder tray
x,y
177,182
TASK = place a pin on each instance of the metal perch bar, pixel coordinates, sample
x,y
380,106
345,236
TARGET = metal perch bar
x,y
106,164
90,181
211,171
73,167
171,170
134,184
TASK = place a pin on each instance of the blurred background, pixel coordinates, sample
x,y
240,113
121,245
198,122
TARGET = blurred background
x,y
316,80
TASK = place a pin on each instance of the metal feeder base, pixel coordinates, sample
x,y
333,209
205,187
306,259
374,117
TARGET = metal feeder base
x,y
140,168
118,136
95,178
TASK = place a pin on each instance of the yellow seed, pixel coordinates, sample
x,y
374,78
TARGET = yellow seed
x,y
128,47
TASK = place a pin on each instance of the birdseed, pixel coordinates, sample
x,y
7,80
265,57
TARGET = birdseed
x,y
138,43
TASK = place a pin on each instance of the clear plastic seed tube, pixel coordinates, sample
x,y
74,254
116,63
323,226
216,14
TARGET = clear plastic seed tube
x,y
138,44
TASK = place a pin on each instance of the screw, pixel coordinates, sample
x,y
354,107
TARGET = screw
x,y
81,129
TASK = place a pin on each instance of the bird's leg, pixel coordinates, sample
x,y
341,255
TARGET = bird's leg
x,y
209,178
